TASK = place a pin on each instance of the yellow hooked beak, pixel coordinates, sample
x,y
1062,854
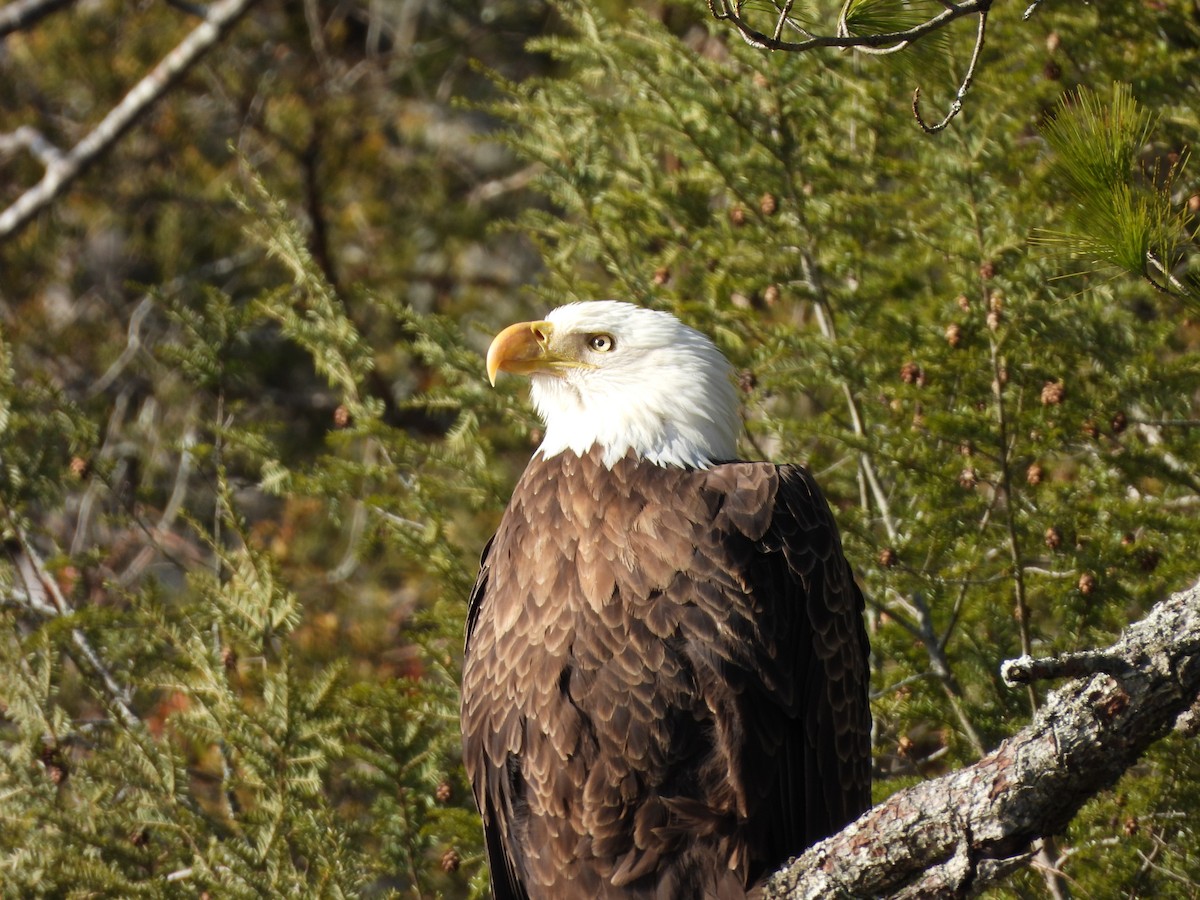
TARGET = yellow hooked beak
x,y
523,349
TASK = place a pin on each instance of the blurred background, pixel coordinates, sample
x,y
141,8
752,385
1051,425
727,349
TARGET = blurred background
x,y
248,455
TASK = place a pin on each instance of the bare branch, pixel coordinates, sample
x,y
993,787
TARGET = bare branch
x,y
22,14
721,9
58,175
957,105
1026,669
952,836
875,44
30,139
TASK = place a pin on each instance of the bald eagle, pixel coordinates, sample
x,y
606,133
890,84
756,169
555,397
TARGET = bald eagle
x,y
664,688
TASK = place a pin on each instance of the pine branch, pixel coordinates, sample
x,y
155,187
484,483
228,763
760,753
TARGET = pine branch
x,y
61,169
43,595
954,835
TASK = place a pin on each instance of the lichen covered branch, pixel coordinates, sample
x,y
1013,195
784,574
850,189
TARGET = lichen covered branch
x,y
952,836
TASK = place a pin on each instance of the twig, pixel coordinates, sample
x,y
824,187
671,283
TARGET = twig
x,y
824,317
83,521
957,105
29,138
1027,669
720,9
1172,282
221,18
169,515
133,343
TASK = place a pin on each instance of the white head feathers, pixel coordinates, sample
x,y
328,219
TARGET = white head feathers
x,y
637,380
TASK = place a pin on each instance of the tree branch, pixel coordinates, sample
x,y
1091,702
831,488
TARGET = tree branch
x,y
892,40
954,835
875,44
60,172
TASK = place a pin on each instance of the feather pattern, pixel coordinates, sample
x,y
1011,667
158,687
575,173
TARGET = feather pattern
x,y
665,679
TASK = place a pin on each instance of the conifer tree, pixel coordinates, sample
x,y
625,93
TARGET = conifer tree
x,y
241,508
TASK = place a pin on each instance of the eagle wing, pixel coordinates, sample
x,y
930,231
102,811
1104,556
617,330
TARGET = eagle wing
x,y
505,883
814,776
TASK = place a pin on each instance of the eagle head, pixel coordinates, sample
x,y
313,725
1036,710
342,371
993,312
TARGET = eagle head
x,y
624,379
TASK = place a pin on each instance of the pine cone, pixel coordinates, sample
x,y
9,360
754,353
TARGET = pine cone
x,y
1053,393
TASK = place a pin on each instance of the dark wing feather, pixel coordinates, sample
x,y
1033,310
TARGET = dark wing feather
x,y
505,884
802,676
831,757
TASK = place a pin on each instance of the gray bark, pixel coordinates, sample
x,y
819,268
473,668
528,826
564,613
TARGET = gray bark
x,y
955,835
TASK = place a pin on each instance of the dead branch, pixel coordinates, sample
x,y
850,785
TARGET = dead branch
x,y
953,836
876,44
61,170
731,11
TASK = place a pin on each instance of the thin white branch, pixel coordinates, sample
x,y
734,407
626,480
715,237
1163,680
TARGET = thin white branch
x,y
720,9
169,514
957,105
222,16
45,597
32,141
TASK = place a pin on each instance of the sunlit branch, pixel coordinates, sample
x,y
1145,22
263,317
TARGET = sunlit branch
x,y
957,105
731,12
63,170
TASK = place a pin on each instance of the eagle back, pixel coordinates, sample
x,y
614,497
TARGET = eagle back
x,y
655,663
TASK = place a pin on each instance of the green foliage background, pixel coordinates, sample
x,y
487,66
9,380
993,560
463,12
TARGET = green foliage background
x,y
248,457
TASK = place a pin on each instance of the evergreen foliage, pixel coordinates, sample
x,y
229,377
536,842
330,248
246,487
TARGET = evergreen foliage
x,y
241,508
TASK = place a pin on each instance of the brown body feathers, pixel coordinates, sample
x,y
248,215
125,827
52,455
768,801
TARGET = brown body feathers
x,y
665,684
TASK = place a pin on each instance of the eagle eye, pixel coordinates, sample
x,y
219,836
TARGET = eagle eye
x,y
601,343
